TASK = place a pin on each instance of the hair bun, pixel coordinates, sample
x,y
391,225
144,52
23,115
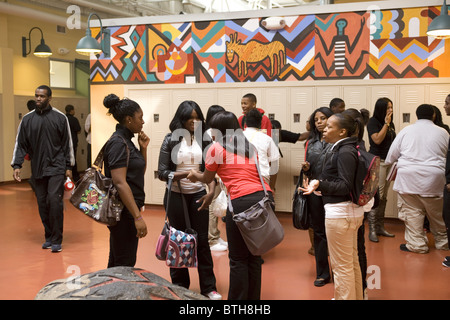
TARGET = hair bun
x,y
111,101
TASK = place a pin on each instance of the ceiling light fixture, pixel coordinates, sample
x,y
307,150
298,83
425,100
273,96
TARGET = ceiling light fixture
x,y
440,26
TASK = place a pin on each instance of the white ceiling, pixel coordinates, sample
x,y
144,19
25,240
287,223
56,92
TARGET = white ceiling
x,y
137,8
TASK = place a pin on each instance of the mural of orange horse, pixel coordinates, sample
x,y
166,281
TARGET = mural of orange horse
x,y
254,52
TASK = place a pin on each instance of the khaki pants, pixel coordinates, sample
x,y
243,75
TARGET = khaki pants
x,y
412,209
342,237
213,230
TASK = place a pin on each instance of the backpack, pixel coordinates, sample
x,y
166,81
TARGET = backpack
x,y
367,177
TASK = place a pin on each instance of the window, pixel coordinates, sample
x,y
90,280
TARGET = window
x,y
61,74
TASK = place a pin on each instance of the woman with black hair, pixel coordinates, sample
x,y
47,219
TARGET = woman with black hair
x,y
381,132
126,165
232,158
342,216
182,151
316,150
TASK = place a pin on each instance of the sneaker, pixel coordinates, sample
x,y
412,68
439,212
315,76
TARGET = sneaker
x,y
446,263
214,295
447,258
218,247
47,245
56,248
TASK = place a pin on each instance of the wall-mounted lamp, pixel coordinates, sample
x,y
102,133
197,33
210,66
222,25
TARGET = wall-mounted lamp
x,y
41,51
88,45
440,26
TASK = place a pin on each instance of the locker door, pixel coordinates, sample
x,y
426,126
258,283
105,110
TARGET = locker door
x,y
205,98
380,92
178,96
283,190
160,114
230,99
325,94
355,97
411,96
154,188
275,105
302,104
437,95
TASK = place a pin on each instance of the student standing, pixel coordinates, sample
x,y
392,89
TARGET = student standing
x,y
342,216
126,165
232,158
181,151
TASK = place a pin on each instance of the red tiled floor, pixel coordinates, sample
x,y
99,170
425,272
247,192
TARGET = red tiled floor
x,y
288,271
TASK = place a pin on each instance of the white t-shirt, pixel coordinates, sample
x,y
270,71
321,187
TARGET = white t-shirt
x,y
188,157
268,152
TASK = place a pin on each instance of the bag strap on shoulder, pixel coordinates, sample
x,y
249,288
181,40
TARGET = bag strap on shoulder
x,y
98,163
266,194
169,191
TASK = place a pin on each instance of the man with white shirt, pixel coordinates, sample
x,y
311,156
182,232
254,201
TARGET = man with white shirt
x,y
268,153
420,152
446,209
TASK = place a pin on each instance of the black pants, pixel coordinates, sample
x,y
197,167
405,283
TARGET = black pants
x,y
362,253
123,243
245,268
446,212
317,211
199,222
49,193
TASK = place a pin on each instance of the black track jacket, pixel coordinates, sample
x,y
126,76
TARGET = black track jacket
x,y
45,136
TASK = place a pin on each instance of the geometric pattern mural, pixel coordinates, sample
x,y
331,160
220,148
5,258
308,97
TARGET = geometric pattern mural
x,y
349,45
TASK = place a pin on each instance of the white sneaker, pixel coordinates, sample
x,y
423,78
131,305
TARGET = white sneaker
x,y
218,247
221,241
214,295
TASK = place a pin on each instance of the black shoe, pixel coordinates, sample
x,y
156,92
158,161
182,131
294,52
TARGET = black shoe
x,y
447,258
320,282
404,248
446,263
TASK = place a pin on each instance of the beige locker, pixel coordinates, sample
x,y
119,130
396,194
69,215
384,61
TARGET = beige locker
x,y
283,190
324,94
276,104
437,95
230,99
355,97
302,104
410,98
205,98
154,188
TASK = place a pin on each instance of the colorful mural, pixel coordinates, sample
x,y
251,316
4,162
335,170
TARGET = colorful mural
x,y
350,45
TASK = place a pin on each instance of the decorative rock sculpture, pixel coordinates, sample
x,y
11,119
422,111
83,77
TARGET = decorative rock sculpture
x,y
118,283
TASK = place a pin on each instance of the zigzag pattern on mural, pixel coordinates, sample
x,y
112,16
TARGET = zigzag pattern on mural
x,y
404,58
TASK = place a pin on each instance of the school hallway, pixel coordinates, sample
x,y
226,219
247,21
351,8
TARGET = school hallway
x,y
288,270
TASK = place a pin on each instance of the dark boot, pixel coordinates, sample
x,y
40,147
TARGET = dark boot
x,y
380,220
372,220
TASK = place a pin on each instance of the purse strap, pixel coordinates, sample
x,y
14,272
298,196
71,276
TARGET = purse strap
x,y
98,163
185,210
266,194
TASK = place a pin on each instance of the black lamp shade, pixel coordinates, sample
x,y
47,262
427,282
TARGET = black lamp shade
x,y
42,50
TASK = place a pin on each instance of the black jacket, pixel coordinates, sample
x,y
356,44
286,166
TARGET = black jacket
x,y
45,136
165,163
338,176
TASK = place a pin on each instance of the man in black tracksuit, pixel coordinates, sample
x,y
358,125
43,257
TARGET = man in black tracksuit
x,y
44,134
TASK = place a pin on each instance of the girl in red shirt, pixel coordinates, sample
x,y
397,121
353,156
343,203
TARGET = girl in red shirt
x,y
231,157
